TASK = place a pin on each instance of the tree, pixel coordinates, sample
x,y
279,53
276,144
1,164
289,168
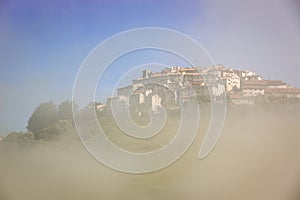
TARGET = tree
x,y
43,117
65,111
20,138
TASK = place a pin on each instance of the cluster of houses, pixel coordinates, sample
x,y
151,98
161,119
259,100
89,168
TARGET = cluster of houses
x,y
246,87
177,85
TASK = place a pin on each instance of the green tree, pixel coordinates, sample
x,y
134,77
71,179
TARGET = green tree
x,y
19,138
43,117
65,111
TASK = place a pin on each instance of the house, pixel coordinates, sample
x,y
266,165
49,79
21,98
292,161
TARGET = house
x,y
247,73
253,91
254,83
187,70
192,77
100,107
218,91
139,97
253,87
242,100
254,77
232,82
275,84
112,101
228,73
126,90
156,103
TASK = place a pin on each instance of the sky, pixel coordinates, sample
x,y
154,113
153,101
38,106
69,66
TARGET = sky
x,y
43,43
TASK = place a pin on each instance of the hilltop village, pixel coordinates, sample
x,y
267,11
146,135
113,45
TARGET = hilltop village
x,y
176,85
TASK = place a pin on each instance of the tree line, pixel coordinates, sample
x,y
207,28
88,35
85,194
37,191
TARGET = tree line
x,y
47,122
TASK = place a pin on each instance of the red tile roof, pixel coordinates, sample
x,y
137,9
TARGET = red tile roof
x,y
274,83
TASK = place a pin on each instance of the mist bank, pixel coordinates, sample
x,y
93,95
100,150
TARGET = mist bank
x,y
257,157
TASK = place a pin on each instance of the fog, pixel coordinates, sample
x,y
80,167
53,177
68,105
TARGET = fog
x,y
257,157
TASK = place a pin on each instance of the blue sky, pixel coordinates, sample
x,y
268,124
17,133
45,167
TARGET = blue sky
x,y
43,43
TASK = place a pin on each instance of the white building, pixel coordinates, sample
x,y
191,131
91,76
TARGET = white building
x,y
155,103
218,91
253,91
247,73
100,107
228,73
253,87
232,82
140,97
242,100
